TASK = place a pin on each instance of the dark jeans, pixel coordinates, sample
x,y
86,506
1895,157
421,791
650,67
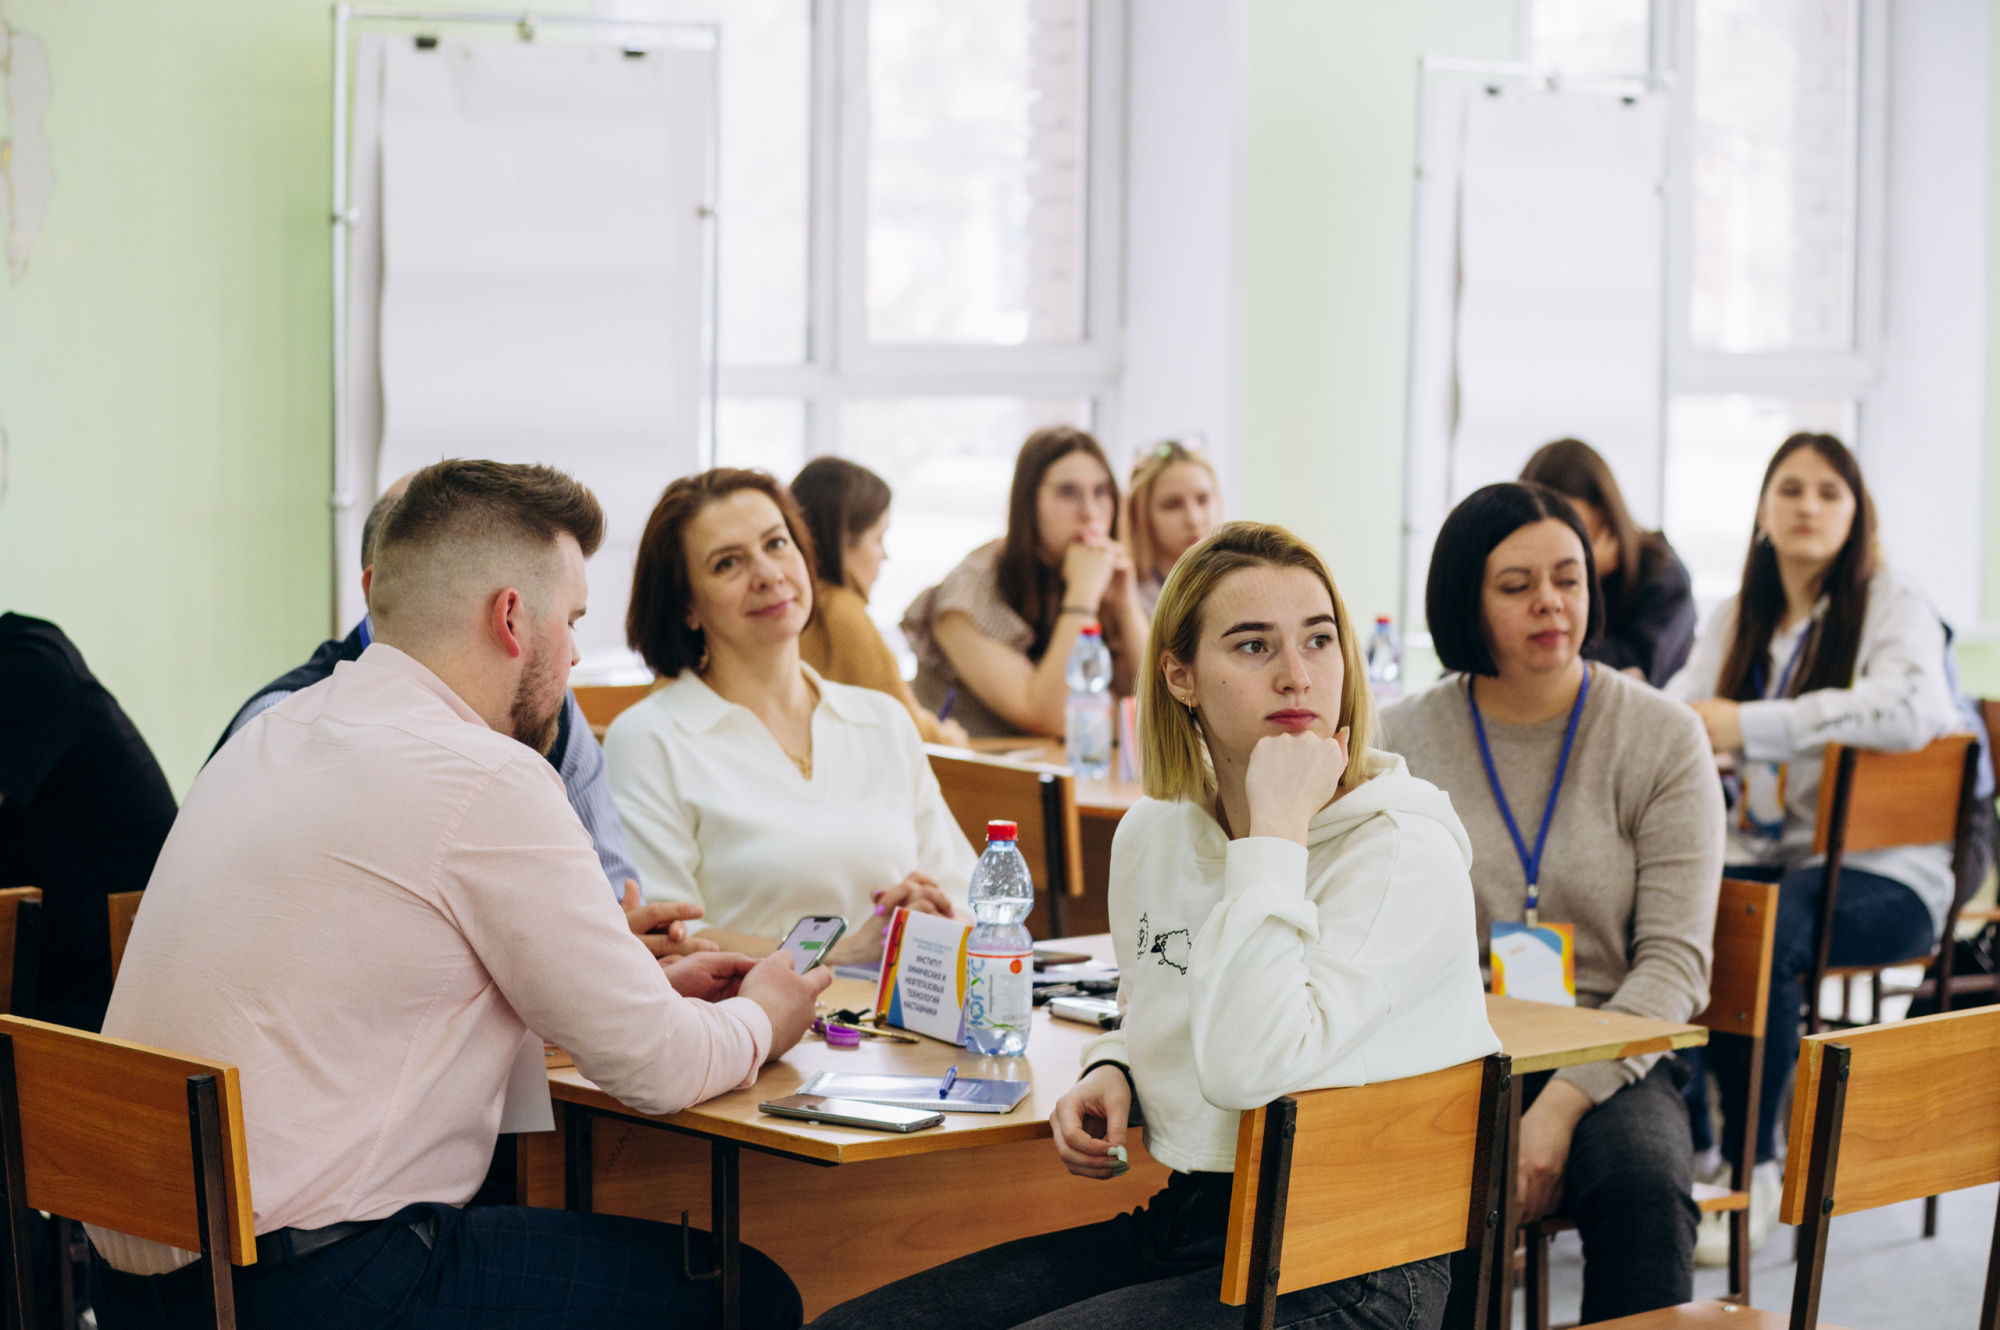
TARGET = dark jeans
x,y
430,1267
1628,1185
1876,920
1161,1265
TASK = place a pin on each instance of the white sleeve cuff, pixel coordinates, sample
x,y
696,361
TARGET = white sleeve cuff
x,y
1767,730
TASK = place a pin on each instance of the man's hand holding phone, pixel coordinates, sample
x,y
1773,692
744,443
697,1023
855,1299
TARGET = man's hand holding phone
x,y
786,996
708,976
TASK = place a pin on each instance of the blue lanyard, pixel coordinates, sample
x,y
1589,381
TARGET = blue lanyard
x,y
1531,864
1798,649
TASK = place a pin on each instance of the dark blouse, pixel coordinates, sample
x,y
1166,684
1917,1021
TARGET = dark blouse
x,y
1653,626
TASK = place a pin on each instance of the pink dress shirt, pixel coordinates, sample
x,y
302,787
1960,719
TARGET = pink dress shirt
x,y
367,902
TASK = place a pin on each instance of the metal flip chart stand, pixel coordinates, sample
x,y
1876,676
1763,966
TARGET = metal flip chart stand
x,y
356,217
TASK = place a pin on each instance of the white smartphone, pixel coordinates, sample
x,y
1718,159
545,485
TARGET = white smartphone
x,y
816,1109
812,938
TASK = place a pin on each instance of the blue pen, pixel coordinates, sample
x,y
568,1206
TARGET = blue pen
x,y
950,700
950,1079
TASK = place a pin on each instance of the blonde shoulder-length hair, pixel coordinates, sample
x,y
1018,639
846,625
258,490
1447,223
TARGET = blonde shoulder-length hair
x,y
1175,763
1146,473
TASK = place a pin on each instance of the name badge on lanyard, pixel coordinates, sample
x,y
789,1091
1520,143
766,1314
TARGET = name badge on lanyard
x,y
1760,812
1531,959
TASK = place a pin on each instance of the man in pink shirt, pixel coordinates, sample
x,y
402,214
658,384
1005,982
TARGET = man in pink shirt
x,y
376,902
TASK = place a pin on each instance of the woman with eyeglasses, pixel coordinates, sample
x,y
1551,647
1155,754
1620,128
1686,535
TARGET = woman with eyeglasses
x,y
993,638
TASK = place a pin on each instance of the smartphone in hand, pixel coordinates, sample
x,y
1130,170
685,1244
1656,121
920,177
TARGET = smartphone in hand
x,y
812,938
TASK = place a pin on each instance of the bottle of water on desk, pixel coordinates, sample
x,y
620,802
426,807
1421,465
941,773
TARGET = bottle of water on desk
x,y
1000,956
1385,662
1087,718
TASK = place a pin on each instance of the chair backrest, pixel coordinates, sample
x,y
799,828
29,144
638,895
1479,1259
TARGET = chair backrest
x,y
124,909
1894,798
104,1135
1040,799
20,947
1379,1175
1739,977
602,703
1922,1111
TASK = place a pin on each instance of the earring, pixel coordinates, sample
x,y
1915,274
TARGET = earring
x,y
1190,705
1763,536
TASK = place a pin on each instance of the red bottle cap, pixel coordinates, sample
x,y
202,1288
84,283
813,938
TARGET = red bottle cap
x,y
1002,831
1091,629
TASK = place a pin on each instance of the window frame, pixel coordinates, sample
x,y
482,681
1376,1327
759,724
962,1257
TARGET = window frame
x,y
841,363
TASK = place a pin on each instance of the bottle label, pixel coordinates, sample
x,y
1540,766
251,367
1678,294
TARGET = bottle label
x,y
999,990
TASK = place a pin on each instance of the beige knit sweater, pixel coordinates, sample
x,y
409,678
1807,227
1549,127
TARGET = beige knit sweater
x,y
1634,856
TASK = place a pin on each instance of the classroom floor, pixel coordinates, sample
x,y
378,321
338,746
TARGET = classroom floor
x,y
1881,1274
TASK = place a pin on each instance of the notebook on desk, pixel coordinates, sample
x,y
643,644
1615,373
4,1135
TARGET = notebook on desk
x,y
968,1094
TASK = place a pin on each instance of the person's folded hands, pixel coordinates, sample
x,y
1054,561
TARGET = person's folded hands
x,y
915,892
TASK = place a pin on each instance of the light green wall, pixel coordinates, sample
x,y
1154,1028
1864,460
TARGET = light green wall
x,y
163,365
1332,133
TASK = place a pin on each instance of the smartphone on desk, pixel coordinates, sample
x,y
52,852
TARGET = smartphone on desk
x,y
812,938
818,1109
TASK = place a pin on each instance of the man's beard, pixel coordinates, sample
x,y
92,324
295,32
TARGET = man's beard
x,y
532,726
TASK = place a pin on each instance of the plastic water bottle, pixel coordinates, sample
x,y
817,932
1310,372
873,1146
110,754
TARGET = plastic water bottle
x,y
1087,718
1385,661
1000,956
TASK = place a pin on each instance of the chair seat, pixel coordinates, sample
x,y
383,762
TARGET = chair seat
x,y
1707,1315
1711,1199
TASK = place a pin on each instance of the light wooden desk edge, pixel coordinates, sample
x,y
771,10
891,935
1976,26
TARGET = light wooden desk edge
x,y
1541,1037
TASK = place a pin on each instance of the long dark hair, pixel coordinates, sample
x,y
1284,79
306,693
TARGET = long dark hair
x,y
840,500
1031,587
1572,467
1835,641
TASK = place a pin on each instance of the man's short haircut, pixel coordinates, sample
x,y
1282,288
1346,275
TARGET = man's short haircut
x,y
1455,590
473,505
372,527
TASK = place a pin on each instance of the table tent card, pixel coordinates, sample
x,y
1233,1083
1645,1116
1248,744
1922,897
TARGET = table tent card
x,y
922,987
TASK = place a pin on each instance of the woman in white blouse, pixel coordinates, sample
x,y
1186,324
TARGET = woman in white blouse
x,y
747,784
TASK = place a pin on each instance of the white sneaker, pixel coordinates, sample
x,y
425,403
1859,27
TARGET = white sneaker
x,y
1767,1189
1711,1241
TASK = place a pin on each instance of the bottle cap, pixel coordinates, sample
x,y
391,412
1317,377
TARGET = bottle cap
x,y
1002,831
1091,630
1381,618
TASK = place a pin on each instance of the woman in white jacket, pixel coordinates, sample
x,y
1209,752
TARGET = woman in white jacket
x,y
1285,918
1823,644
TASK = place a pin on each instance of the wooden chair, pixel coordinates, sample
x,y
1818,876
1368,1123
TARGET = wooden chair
x,y
99,1131
1343,1182
1871,800
1880,1115
1947,987
124,909
1041,800
1739,996
20,947
601,703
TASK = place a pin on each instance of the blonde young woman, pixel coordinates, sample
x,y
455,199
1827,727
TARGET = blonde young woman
x,y
1172,503
1291,910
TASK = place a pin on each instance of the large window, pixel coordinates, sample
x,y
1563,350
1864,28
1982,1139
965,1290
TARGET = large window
x,y
1773,264
919,212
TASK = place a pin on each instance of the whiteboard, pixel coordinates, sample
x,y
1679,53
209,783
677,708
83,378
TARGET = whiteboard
x,y
532,286
1537,292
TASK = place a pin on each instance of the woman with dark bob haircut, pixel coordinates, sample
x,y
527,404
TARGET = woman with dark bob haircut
x,y
996,633
749,786
1592,805
847,507
1648,599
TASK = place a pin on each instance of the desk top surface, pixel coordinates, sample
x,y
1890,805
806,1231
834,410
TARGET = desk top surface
x,y
1538,1036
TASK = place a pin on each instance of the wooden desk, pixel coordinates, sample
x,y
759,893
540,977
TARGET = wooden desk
x,y
840,1232
1541,1037
1105,800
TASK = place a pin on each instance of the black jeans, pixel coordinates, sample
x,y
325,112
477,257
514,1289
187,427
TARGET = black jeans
x,y
1876,920
433,1267
1629,1185
1159,1266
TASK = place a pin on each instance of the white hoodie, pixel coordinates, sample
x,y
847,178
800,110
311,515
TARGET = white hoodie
x,y
1255,968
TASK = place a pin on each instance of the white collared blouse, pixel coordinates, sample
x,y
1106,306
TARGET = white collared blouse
x,y
717,814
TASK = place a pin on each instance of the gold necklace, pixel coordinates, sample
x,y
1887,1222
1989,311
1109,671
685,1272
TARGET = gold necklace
x,y
804,764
